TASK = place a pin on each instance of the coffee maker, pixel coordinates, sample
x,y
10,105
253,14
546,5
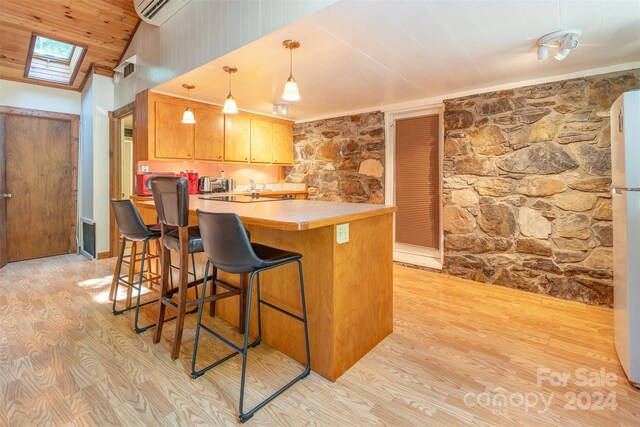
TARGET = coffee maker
x,y
192,177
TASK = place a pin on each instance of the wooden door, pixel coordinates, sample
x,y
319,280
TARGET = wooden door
x,y
237,134
261,141
40,215
282,144
3,190
209,135
173,139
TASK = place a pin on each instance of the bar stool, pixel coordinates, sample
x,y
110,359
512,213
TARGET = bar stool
x,y
134,230
171,197
149,276
228,248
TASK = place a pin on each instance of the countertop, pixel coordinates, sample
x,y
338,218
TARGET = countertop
x,y
237,193
292,215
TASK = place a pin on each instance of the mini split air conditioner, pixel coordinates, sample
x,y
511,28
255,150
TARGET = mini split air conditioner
x,y
156,12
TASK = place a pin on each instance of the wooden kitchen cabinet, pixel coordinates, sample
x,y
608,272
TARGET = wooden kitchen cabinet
x,y
159,133
282,144
209,135
261,141
237,137
174,140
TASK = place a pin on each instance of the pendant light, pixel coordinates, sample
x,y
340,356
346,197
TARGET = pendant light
x,y
230,106
188,117
291,92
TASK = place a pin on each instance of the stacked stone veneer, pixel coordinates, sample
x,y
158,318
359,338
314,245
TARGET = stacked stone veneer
x,y
341,159
526,187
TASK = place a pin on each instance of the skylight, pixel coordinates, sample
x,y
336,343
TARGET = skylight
x,y
53,60
52,49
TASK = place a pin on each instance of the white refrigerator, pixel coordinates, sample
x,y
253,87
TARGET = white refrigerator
x,y
625,189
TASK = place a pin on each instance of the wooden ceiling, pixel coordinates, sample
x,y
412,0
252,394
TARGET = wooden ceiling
x,y
103,26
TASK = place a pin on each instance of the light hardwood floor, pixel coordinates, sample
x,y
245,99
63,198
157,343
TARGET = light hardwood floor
x,y
65,360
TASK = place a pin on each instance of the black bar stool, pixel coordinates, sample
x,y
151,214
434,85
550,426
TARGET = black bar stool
x,y
133,229
228,248
171,198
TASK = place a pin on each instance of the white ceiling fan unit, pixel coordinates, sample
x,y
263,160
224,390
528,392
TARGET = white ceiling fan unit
x,y
157,12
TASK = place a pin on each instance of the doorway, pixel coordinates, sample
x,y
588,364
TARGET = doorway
x,y
121,167
414,185
39,175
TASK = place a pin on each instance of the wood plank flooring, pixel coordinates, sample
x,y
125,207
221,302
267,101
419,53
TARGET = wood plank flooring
x,y
462,353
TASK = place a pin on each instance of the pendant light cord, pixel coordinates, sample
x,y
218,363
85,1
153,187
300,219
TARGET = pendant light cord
x,y
229,83
290,63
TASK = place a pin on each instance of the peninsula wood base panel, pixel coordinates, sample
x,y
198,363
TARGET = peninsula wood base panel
x,y
349,291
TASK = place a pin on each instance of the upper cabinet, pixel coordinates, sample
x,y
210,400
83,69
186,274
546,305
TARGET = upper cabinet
x,y
237,136
261,141
177,138
209,135
282,144
159,133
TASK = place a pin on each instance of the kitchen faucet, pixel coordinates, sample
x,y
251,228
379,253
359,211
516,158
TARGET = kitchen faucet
x,y
252,185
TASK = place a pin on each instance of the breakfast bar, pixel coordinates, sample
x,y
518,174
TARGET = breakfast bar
x,y
348,285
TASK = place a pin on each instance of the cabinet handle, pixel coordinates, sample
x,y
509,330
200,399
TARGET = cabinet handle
x,y
219,157
245,158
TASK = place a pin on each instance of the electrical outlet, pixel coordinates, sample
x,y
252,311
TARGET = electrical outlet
x,y
144,168
342,233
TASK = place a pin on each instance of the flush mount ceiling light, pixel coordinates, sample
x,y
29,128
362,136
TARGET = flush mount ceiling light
x,y
291,92
230,106
188,117
564,41
280,107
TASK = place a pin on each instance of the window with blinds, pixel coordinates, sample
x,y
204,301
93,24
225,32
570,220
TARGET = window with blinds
x,y
417,181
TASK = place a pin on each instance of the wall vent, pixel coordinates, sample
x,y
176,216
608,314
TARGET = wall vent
x,y
89,238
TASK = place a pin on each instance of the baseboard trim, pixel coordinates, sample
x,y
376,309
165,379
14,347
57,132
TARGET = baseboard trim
x,y
417,259
103,255
85,253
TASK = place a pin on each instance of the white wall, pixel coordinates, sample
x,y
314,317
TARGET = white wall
x,y
103,103
97,101
200,32
85,171
25,95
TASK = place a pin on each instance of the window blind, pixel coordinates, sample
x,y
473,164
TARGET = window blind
x,y
417,181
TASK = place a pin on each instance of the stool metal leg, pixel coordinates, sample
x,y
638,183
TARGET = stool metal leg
x,y
304,316
118,272
245,416
138,305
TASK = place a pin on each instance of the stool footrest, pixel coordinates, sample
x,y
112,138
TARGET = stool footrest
x,y
281,310
216,297
169,303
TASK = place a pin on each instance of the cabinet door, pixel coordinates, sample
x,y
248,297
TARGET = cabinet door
x,y
282,144
173,139
237,136
209,135
261,145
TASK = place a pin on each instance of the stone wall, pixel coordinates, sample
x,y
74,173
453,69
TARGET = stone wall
x,y
526,187
341,159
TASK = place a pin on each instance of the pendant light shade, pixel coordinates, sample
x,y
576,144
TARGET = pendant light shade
x,y
187,117
230,106
291,91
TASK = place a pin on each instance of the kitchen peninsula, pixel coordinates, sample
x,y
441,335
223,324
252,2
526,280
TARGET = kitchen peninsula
x,y
349,286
